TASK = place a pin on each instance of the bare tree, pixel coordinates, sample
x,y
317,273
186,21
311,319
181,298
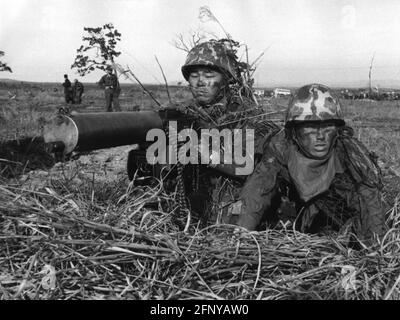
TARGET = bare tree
x,y
186,42
3,65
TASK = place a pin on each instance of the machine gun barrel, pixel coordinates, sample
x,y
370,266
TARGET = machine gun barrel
x,y
92,131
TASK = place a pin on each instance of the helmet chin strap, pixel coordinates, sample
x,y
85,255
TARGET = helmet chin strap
x,y
308,154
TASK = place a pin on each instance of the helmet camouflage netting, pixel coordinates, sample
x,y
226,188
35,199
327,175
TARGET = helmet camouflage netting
x,y
213,54
314,102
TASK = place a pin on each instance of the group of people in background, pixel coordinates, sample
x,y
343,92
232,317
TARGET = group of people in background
x,y
72,93
109,82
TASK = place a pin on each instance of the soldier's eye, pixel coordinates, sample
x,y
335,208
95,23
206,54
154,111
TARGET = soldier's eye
x,y
308,131
329,129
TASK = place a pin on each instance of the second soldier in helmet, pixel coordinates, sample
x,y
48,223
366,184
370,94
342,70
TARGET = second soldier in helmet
x,y
315,174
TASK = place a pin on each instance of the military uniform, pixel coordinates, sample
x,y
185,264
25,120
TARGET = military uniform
x,y
67,91
112,90
78,91
340,190
210,192
213,190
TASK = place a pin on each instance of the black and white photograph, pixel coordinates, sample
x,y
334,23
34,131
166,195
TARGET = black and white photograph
x,y
199,155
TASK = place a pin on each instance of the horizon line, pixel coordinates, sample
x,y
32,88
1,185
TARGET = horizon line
x,y
349,84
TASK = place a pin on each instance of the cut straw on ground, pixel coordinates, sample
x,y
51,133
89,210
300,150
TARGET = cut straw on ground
x,y
124,246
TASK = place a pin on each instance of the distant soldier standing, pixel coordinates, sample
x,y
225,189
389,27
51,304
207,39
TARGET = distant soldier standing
x,y
78,91
67,89
112,90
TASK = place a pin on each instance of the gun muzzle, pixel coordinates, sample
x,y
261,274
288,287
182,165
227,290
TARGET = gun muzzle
x,y
92,131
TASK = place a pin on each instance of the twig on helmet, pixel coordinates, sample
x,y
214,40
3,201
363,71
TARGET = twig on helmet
x,y
186,42
205,14
259,57
248,77
247,61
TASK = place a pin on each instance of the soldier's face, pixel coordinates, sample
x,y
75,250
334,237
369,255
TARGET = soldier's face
x,y
205,84
317,139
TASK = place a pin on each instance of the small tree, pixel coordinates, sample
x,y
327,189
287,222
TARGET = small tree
x,y
4,66
98,50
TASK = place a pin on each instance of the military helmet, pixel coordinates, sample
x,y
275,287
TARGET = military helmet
x,y
211,54
314,102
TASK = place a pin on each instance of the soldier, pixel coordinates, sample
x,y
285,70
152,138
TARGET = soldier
x,y
109,82
78,91
219,101
67,89
212,72
315,173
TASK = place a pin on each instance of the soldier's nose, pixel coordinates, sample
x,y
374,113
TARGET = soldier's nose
x,y
201,81
320,135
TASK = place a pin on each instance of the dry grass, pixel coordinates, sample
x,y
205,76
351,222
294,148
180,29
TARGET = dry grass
x,y
371,109
75,239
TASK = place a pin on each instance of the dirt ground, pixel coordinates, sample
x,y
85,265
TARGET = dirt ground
x,y
99,165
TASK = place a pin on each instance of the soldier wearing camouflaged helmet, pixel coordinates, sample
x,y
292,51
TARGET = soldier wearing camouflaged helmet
x,y
210,68
213,74
314,173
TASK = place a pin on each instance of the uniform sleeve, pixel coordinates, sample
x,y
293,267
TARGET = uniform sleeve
x,y
367,176
258,191
372,211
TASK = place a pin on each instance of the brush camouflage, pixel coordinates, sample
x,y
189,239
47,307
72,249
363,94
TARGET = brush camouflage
x,y
314,102
212,54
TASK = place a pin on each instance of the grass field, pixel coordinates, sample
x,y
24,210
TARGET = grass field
x,y
81,230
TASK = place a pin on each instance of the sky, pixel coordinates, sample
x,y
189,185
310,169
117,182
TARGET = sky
x,y
330,41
